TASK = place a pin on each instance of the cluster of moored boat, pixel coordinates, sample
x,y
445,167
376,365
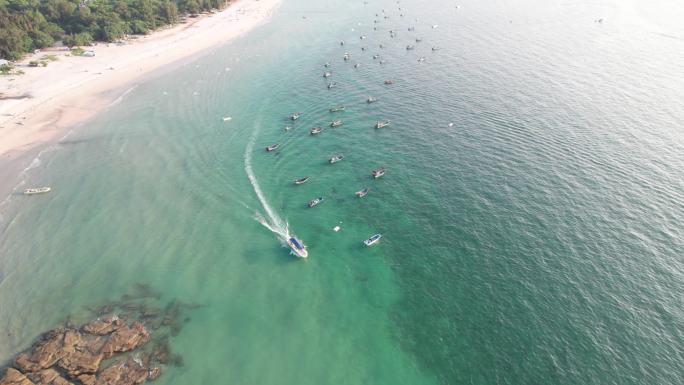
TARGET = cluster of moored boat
x,y
296,245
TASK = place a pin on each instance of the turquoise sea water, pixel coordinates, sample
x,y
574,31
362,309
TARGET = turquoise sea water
x,y
536,240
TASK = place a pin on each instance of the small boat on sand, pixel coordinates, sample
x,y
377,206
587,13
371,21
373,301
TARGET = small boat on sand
x,y
335,158
337,109
314,202
382,123
295,116
316,130
272,147
301,180
378,172
37,190
336,123
371,100
372,240
297,247
362,193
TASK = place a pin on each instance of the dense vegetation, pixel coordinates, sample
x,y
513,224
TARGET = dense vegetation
x,y
26,25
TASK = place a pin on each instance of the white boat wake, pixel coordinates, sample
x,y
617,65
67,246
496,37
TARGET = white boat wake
x,y
271,220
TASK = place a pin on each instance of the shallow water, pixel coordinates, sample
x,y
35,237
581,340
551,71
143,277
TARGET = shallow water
x,y
538,239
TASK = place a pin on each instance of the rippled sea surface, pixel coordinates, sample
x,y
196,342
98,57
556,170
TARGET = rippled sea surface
x,y
532,211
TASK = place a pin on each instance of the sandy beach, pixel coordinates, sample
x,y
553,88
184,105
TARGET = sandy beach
x,y
40,105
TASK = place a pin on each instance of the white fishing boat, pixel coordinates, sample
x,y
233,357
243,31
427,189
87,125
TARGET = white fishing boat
x,y
37,190
272,147
378,172
372,240
336,123
371,100
295,116
327,74
362,193
335,158
316,130
315,202
382,123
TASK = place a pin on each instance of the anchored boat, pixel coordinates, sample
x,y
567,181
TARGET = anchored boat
x,y
37,190
337,109
378,172
301,180
295,116
335,158
272,147
372,240
382,123
336,123
316,130
315,202
371,100
362,193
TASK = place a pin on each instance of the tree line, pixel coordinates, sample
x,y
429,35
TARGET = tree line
x,y
26,25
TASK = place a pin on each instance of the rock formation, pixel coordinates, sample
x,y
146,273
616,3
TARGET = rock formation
x,y
69,356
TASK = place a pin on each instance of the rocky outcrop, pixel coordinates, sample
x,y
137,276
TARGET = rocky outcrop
x,y
15,377
67,356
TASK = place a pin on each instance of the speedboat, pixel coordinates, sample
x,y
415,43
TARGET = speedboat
x,y
301,180
332,85
376,56
315,201
272,147
362,193
337,109
297,247
378,172
372,240
327,74
316,130
382,123
295,116
335,158
336,123
388,82
409,47
37,190
371,99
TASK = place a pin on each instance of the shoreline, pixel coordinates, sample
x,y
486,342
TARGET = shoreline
x,y
73,89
